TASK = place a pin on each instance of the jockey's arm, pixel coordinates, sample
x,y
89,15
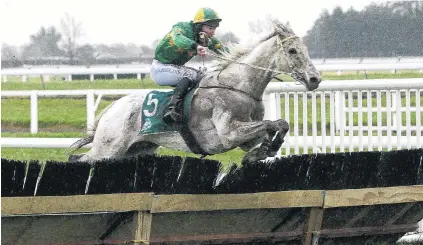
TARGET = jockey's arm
x,y
182,41
217,46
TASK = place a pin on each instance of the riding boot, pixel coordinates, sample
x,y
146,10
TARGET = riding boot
x,y
175,110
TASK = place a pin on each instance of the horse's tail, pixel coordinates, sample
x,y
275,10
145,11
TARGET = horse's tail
x,y
89,139
80,143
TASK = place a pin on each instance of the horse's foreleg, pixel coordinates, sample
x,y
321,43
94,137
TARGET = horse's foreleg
x,y
271,136
237,133
249,134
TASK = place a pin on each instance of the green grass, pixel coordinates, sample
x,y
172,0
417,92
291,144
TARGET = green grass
x,y
371,75
64,117
35,84
45,135
51,112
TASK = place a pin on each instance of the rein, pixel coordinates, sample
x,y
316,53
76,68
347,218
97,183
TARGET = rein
x,y
280,42
235,90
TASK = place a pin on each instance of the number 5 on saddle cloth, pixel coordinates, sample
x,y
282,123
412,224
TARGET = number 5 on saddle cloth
x,y
153,109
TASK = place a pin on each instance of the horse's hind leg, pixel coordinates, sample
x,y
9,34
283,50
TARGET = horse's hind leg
x,y
75,157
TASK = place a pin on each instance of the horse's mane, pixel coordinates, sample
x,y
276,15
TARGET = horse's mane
x,y
236,51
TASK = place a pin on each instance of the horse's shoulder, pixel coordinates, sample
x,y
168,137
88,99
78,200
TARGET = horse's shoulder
x,y
210,79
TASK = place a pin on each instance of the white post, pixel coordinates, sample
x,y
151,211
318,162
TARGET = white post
x,y
92,77
339,103
398,119
394,110
90,112
139,76
34,112
24,78
115,76
46,78
69,77
271,110
418,127
4,78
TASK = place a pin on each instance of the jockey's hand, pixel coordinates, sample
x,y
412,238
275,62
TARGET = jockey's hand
x,y
201,50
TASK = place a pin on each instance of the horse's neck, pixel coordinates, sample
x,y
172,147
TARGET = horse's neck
x,y
249,79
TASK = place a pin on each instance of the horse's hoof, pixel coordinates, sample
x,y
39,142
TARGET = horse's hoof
x,y
75,157
284,126
253,156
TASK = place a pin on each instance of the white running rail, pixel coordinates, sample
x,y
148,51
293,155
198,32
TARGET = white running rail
x,y
397,101
141,71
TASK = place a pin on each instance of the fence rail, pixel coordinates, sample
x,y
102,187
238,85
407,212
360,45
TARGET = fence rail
x,y
340,115
140,71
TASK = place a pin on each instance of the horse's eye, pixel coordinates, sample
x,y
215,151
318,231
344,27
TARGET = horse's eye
x,y
292,51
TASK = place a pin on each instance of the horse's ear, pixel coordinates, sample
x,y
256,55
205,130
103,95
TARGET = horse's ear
x,y
288,26
280,28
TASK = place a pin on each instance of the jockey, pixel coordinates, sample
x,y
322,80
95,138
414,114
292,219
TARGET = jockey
x,y
181,44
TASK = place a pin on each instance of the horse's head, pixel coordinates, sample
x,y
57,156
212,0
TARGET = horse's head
x,y
292,57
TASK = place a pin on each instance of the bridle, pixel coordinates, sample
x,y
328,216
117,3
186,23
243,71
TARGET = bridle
x,y
280,46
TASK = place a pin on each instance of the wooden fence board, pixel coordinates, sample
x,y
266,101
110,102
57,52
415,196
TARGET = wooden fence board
x,y
283,199
76,204
373,196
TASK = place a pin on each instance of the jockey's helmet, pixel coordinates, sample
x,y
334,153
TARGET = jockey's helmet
x,y
207,16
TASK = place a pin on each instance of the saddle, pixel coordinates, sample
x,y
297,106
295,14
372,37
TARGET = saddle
x,y
154,107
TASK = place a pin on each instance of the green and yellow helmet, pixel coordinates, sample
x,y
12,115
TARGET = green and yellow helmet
x,y
207,15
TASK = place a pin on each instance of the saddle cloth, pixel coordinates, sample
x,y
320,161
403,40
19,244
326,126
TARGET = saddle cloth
x,y
155,106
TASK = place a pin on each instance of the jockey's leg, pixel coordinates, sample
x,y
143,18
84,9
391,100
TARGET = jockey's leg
x,y
175,111
182,78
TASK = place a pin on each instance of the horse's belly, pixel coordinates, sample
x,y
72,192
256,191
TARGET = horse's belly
x,y
171,140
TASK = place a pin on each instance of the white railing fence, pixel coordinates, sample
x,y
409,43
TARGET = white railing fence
x,y
388,108
141,71
341,115
313,116
67,72
92,102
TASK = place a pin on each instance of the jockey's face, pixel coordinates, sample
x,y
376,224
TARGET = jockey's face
x,y
208,29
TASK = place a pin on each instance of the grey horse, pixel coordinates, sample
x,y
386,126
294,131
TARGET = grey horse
x,y
226,112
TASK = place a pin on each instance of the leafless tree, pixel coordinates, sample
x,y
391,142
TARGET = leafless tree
x,y
9,52
72,32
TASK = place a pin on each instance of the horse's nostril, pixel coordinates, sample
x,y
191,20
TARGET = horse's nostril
x,y
314,80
